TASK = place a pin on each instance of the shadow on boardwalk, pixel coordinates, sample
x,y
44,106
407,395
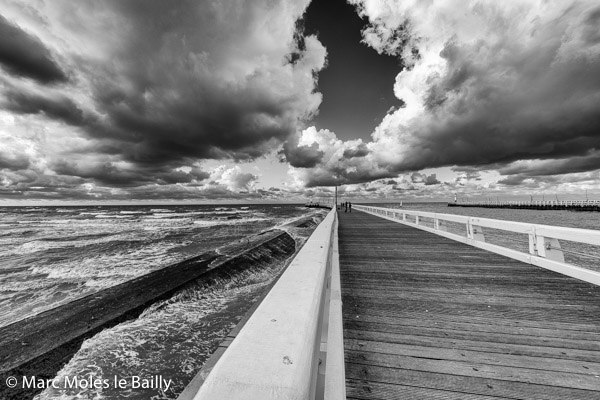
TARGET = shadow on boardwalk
x,y
427,317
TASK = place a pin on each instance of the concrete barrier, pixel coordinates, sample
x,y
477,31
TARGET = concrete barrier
x,y
282,351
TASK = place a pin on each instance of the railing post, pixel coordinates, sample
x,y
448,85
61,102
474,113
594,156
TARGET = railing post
x,y
417,219
532,242
475,232
549,248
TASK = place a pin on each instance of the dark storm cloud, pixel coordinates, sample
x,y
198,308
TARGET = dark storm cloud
x,y
340,175
204,80
514,180
526,102
302,156
13,162
477,119
360,151
153,89
588,162
109,173
25,55
58,107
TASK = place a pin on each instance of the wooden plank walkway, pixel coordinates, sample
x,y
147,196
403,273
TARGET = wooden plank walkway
x,y
426,317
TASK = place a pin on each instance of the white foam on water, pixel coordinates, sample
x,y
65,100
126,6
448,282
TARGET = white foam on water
x,y
229,221
172,338
122,264
69,241
170,215
26,285
208,223
110,216
48,259
35,246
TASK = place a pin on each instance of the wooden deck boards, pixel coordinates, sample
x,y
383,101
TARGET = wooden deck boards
x,y
426,317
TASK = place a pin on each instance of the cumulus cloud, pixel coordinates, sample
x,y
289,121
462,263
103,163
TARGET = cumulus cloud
x,y
490,82
427,180
340,162
301,156
234,179
508,84
155,86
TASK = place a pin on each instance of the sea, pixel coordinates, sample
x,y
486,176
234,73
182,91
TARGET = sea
x,y
50,256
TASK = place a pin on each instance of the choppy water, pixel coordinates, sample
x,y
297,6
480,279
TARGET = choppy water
x,y
171,339
52,255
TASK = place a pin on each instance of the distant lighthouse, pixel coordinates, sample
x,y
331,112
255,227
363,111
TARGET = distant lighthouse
x,y
455,199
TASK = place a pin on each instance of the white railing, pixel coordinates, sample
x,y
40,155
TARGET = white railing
x,y
292,345
544,241
542,203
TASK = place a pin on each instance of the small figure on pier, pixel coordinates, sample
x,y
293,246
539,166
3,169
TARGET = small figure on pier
x,y
345,206
350,207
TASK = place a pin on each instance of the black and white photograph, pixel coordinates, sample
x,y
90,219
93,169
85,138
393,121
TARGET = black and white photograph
x,y
299,199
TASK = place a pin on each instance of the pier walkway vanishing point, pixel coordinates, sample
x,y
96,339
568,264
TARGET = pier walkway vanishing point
x,y
424,316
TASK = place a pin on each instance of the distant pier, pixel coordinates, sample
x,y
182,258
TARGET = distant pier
x,y
572,205
319,204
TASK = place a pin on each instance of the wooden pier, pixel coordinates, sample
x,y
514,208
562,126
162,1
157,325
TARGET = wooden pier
x,y
427,317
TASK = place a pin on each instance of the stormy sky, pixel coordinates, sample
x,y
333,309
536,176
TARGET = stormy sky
x,y
279,100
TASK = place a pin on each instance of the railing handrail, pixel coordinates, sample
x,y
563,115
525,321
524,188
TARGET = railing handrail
x,y
588,236
280,352
544,246
531,202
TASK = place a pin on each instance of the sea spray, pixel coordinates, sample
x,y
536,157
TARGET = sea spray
x,y
174,337
54,255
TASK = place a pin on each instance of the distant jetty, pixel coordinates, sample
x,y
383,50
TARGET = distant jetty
x,y
572,205
316,204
